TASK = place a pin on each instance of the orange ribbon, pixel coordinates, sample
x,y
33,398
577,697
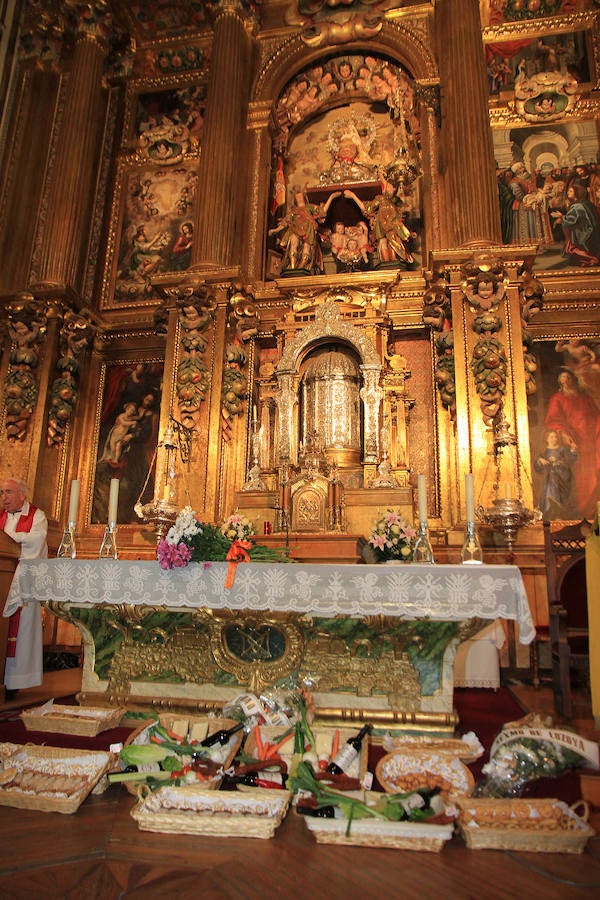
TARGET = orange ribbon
x,y
238,552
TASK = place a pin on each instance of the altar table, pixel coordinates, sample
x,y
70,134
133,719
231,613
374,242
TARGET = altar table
x,y
369,639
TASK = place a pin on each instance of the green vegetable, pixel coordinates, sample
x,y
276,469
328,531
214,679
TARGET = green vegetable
x,y
171,764
141,754
305,780
390,807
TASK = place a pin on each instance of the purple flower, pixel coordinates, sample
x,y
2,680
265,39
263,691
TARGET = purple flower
x,y
172,556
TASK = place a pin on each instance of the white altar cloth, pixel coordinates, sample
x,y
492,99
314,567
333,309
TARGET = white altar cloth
x,y
408,591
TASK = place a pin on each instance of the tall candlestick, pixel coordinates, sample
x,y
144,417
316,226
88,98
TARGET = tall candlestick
x,y
469,497
507,490
113,500
422,493
74,501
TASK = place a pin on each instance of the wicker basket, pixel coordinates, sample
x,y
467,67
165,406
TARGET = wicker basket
x,y
88,721
468,749
531,825
408,770
324,735
167,720
190,810
85,768
375,833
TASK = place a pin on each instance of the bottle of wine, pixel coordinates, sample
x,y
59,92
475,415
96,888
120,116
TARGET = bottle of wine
x,y
221,737
348,752
319,812
259,779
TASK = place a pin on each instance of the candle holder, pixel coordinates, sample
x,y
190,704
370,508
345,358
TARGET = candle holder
x,y
108,547
67,547
423,551
471,553
255,482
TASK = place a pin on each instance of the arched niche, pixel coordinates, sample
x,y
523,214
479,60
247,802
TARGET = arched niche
x,y
399,42
327,328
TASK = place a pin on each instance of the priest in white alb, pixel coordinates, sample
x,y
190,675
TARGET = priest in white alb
x,y
28,526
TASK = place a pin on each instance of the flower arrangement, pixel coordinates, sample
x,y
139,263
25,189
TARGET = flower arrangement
x,y
190,540
392,537
237,528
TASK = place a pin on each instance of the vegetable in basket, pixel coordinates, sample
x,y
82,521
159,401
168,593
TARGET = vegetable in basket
x,y
314,795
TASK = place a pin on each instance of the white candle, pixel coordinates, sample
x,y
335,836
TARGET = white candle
x,y
507,491
254,418
74,501
422,493
113,500
469,497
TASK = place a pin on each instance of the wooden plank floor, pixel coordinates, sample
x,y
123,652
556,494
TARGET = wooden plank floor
x,y
100,853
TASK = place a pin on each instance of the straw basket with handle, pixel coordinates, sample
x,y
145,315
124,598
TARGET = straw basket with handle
x,y
535,825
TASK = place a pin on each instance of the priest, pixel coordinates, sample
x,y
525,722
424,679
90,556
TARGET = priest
x,y
28,526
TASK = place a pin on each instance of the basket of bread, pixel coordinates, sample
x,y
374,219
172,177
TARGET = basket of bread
x,y
50,779
56,718
254,812
536,825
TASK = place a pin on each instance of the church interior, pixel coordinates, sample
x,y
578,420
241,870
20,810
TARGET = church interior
x,y
300,264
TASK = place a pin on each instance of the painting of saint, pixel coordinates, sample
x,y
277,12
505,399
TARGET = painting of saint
x,y
565,429
127,438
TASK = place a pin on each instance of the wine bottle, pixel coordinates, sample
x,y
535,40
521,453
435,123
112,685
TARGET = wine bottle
x,y
259,779
348,752
319,812
221,737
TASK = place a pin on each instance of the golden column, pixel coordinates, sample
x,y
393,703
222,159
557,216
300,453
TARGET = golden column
x,y
62,254
222,199
472,211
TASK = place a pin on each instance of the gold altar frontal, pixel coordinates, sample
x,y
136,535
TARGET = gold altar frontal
x,y
357,668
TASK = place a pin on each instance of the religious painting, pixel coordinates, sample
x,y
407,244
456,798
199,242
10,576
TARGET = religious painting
x,y
548,58
549,191
564,421
157,231
127,437
501,12
160,114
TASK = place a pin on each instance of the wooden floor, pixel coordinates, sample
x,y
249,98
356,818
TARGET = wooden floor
x,y
100,853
